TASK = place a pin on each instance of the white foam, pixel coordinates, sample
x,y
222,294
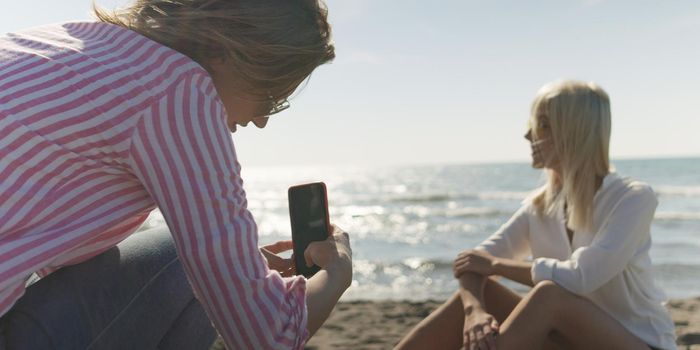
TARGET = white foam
x,y
678,191
677,216
504,195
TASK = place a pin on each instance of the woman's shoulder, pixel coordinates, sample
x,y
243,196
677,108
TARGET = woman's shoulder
x,y
527,206
75,35
109,47
617,187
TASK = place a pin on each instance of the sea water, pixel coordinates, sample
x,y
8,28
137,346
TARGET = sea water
x,y
408,223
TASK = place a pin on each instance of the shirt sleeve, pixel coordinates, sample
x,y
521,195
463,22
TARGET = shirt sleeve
x,y
183,154
615,244
512,240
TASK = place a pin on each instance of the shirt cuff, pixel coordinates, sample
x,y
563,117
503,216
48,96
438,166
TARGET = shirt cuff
x,y
543,269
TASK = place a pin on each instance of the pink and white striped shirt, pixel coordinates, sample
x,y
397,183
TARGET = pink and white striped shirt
x,y
98,126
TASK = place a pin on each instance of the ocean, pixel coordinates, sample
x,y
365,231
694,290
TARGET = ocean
x,y
408,223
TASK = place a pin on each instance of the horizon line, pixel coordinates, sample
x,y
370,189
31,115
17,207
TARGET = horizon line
x,y
465,162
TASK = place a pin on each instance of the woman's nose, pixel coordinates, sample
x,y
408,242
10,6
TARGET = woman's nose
x,y
528,135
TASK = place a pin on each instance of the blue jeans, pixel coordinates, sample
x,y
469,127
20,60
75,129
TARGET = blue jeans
x,y
133,296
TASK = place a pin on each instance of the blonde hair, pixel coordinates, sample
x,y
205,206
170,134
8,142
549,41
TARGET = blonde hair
x,y
579,120
273,45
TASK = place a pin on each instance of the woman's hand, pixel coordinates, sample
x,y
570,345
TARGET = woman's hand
x,y
474,261
480,330
275,262
332,254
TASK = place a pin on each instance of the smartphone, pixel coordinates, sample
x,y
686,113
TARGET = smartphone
x,y
308,213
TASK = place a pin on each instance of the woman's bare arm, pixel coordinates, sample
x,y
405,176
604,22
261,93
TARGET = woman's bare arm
x,y
518,271
484,264
471,286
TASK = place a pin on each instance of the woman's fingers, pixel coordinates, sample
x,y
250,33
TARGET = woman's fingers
x,y
458,271
279,247
285,267
466,341
462,259
480,336
464,253
292,271
489,341
460,268
475,340
275,262
293,266
309,253
270,256
289,272
480,339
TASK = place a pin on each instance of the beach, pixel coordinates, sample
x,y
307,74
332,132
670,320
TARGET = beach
x,y
381,324
408,223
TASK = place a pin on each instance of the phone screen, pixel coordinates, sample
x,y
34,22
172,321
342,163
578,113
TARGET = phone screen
x,y
308,212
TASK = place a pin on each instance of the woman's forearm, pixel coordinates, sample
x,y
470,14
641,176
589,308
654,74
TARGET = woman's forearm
x,y
518,271
471,286
323,291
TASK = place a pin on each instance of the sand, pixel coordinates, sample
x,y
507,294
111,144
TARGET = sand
x,y
380,325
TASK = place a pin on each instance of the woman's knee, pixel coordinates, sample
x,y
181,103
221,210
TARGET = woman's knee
x,y
153,246
548,288
550,294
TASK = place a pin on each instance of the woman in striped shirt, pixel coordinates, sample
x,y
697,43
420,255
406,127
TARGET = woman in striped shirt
x,y
100,123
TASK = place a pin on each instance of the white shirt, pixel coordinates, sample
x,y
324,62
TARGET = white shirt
x,y
609,265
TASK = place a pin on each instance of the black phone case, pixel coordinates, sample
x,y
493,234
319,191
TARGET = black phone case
x,y
307,202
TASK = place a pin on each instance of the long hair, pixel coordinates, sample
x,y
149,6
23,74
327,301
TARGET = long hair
x,y
273,45
579,118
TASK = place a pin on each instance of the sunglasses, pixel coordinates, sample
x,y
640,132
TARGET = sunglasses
x,y
273,108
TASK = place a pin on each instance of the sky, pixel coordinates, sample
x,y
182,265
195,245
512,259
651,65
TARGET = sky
x,y
419,82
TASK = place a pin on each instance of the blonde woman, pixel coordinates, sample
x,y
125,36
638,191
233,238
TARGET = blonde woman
x,y
100,123
587,231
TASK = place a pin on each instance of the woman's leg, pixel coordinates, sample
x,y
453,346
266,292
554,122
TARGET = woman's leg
x,y
191,330
443,328
129,297
549,308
